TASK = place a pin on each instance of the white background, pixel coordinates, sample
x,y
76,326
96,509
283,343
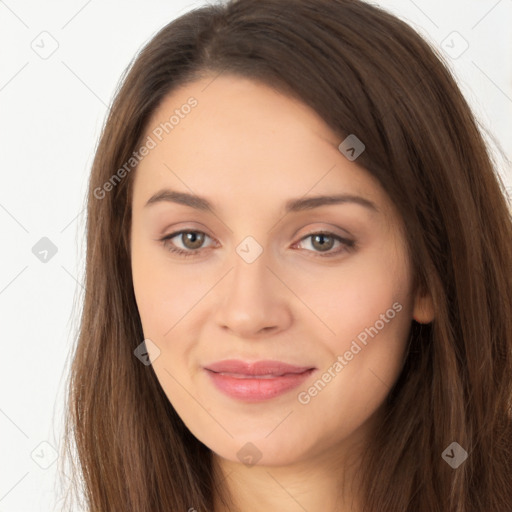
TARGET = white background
x,y
52,111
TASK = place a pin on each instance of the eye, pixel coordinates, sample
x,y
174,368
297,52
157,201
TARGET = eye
x,y
322,243
192,241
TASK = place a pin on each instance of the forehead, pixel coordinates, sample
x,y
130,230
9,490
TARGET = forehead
x,y
244,139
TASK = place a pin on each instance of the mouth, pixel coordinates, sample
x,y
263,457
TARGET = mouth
x,y
258,381
242,376
262,369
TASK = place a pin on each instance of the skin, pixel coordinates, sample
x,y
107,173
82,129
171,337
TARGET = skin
x,y
248,149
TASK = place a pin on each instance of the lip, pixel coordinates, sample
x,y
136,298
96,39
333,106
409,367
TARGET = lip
x,y
257,381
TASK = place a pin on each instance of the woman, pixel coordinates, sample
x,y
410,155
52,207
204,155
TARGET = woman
x,y
299,284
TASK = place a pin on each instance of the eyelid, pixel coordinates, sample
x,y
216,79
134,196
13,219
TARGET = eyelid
x,y
320,227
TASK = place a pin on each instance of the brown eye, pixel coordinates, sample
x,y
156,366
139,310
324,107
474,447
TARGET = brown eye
x,y
192,239
191,242
322,242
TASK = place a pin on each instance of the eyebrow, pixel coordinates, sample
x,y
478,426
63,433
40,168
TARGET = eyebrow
x,y
292,205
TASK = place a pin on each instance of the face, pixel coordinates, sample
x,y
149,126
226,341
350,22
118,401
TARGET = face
x,y
311,298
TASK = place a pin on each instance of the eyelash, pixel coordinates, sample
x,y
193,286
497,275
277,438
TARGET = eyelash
x,y
350,245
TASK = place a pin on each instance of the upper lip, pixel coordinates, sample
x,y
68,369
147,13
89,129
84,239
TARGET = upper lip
x,y
238,367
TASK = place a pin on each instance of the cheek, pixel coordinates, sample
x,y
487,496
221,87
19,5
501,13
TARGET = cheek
x,y
368,309
366,290
163,294
373,326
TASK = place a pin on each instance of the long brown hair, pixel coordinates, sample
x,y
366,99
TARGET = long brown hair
x,y
365,72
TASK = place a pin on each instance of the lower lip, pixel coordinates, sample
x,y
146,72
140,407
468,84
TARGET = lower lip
x,y
254,389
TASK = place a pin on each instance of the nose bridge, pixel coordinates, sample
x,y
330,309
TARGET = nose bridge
x,y
249,281
250,297
250,271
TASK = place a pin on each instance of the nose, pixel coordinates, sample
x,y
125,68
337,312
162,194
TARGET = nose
x,y
252,299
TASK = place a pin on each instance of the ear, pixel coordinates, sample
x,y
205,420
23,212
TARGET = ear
x,y
423,311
